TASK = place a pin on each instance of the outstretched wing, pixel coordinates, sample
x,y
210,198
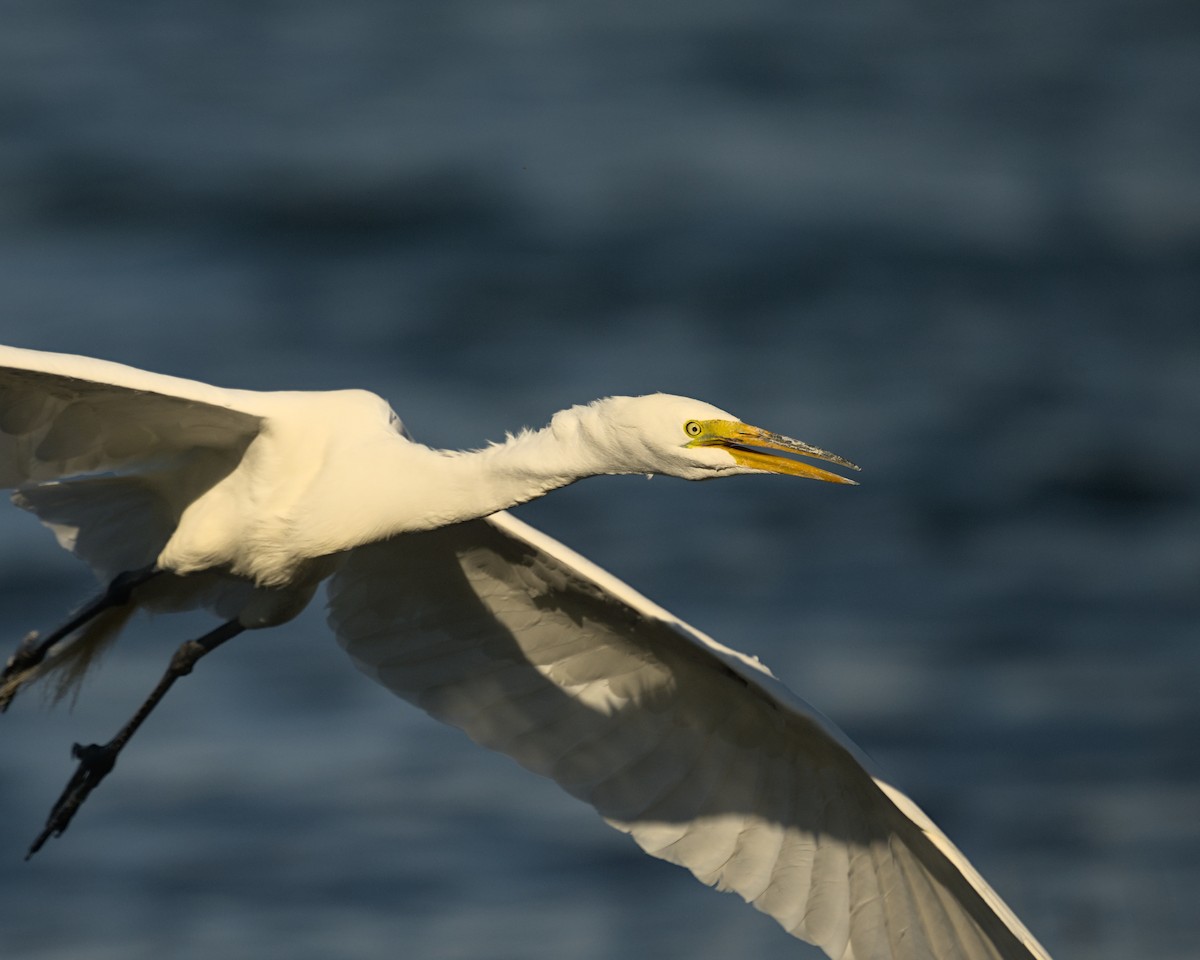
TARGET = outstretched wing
x,y
692,748
109,456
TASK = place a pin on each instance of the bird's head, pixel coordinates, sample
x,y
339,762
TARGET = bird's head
x,y
687,438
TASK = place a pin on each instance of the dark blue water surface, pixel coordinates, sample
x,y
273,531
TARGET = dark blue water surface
x,y
959,244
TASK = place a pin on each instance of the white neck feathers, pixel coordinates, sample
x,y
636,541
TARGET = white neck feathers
x,y
427,488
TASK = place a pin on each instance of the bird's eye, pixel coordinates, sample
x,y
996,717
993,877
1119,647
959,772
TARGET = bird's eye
x,y
692,428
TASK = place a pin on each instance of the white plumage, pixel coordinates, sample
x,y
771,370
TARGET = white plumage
x,y
245,501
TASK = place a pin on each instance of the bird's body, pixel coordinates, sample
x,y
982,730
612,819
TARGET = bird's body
x,y
244,502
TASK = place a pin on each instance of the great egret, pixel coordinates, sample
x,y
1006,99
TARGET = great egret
x,y
179,494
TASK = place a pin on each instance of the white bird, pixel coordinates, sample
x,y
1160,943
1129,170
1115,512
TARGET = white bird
x,y
179,494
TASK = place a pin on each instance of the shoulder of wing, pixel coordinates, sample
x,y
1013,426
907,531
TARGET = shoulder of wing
x,y
62,415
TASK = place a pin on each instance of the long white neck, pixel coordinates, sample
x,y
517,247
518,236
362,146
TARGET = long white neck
x,y
438,487
523,468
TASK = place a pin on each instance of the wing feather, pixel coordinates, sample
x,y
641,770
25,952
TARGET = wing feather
x,y
694,750
87,444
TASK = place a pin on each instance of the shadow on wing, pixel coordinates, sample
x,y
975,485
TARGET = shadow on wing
x,y
670,742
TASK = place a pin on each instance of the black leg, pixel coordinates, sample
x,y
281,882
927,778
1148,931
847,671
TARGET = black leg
x,y
96,760
33,650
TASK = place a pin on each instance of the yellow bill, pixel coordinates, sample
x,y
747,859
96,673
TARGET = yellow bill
x,y
753,447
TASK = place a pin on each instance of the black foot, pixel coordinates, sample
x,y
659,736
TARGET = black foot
x,y
33,650
28,654
95,762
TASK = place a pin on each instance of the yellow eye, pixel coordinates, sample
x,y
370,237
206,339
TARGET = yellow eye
x,y
692,428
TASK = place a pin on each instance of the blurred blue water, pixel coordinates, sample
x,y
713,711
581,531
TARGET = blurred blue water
x,y
958,245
